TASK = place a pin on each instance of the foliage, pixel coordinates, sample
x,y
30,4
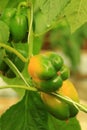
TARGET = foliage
x,y
76,14
34,116
4,32
61,38
29,113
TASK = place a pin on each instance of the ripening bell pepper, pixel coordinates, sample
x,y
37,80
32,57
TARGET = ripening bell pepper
x,y
49,85
47,71
58,108
41,67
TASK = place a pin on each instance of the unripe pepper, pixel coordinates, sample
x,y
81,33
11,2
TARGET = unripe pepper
x,y
18,27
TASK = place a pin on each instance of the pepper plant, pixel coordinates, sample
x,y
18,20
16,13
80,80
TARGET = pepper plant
x,y
49,101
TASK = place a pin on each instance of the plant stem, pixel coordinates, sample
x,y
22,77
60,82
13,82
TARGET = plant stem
x,y
15,70
19,86
30,34
13,51
21,4
70,101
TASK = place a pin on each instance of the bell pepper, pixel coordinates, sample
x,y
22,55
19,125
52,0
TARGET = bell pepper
x,y
41,67
47,71
49,85
56,59
58,108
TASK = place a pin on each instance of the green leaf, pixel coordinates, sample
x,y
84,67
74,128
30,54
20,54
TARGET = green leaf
x,y
14,81
36,5
46,16
61,37
71,124
38,42
22,48
13,3
17,80
2,54
28,114
76,13
52,8
3,4
4,32
9,3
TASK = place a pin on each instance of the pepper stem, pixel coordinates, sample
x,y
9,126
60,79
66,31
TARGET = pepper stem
x,y
30,34
22,4
78,106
